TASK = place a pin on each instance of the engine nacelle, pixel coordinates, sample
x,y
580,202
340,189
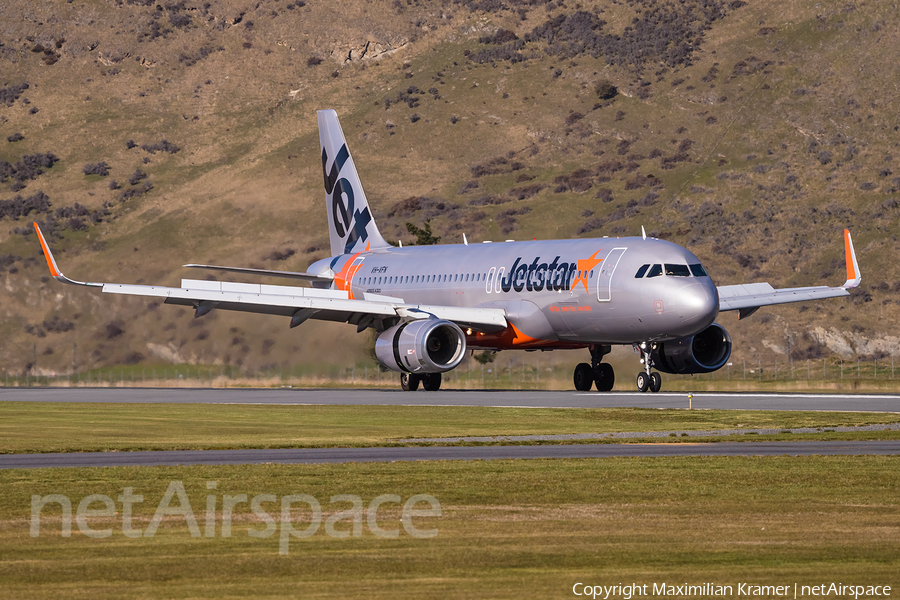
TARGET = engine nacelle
x,y
424,346
705,352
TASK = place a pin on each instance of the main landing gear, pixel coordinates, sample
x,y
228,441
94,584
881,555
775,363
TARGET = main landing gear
x,y
648,380
431,382
602,374
599,373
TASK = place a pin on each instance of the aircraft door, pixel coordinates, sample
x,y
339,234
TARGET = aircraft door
x,y
489,284
607,269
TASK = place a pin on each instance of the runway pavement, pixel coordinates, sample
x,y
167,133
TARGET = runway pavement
x,y
525,398
413,453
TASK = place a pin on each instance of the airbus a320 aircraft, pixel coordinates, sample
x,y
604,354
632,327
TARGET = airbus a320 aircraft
x,y
428,304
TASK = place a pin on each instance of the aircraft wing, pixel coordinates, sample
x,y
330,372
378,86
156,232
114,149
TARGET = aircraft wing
x,y
286,274
748,298
298,303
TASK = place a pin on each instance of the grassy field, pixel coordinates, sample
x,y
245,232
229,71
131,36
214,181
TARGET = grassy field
x,y
507,529
63,427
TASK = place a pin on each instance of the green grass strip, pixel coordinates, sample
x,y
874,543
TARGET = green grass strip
x,y
66,427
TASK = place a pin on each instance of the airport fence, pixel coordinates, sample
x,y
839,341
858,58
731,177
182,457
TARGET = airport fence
x,y
514,371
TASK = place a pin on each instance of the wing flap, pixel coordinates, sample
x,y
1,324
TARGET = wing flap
x,y
287,274
249,294
330,305
482,319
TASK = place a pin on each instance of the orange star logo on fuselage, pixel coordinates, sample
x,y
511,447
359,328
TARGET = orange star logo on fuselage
x,y
584,267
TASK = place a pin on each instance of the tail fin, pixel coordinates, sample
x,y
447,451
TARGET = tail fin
x,y
350,224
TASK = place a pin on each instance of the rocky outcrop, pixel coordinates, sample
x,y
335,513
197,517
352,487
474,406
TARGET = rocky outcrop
x,y
851,344
368,50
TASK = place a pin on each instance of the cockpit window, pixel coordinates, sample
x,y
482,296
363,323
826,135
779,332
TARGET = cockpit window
x,y
698,271
655,271
678,271
641,271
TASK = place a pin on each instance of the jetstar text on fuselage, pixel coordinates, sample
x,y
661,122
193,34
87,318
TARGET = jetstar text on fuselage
x,y
536,276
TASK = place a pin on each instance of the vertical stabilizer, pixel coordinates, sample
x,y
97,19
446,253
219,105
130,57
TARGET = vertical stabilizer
x,y
350,223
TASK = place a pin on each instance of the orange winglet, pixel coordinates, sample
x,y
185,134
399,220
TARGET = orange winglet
x,y
853,276
51,262
54,270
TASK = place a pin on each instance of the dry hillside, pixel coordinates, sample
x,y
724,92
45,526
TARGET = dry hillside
x,y
144,135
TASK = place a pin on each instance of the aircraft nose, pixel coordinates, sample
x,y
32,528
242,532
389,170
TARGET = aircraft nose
x,y
697,305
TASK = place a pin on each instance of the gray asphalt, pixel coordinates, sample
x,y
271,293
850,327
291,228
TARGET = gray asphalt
x,y
347,455
530,399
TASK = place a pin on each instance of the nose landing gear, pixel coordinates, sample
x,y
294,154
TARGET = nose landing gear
x,y
599,373
648,380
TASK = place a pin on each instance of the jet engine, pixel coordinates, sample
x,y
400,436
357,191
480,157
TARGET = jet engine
x,y
704,352
424,346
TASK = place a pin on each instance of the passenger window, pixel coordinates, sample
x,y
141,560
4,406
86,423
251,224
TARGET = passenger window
x,y
655,271
678,271
641,271
698,271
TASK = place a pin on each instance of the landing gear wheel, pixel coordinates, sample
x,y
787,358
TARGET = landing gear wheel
x,y
643,382
409,382
605,377
431,382
655,382
584,377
